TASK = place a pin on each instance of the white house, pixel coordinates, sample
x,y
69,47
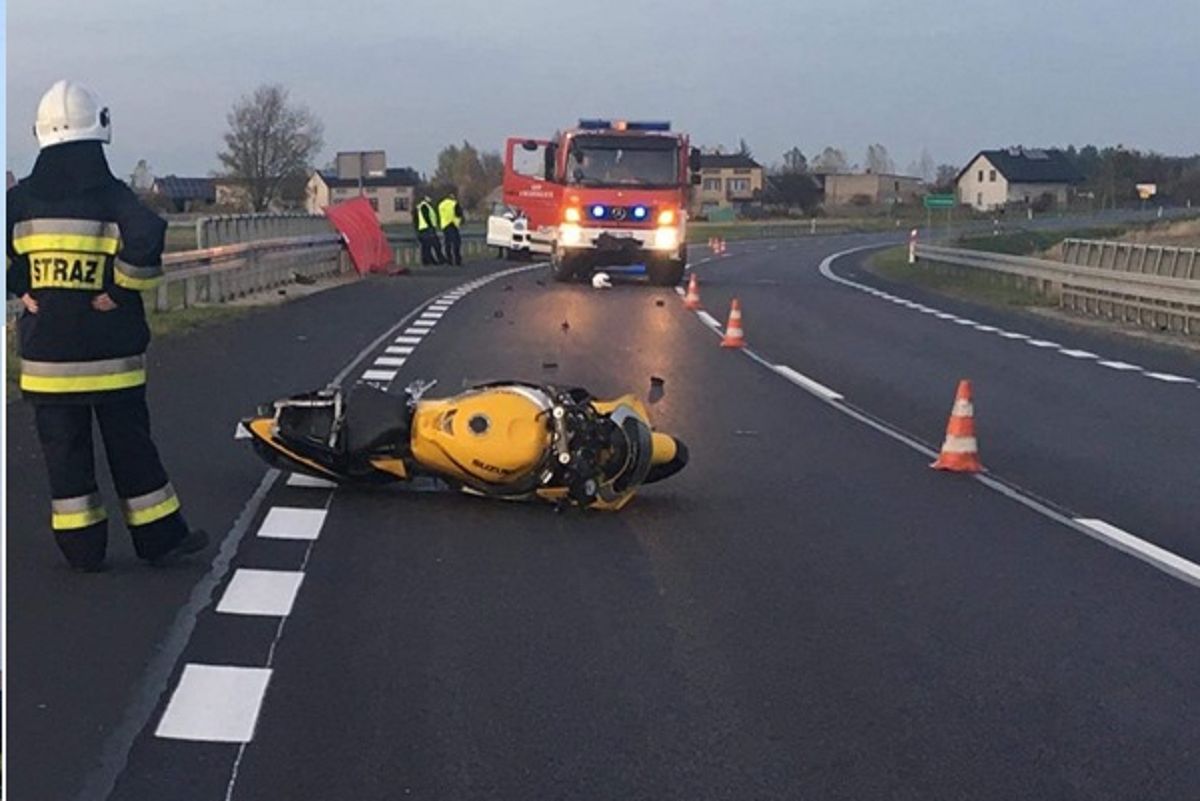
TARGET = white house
x,y
1016,176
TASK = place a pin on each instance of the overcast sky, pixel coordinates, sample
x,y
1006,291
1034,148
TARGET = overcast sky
x,y
954,76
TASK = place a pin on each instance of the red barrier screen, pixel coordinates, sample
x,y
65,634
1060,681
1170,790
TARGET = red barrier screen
x,y
358,225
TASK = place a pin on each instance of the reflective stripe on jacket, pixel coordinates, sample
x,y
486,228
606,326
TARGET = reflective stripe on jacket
x,y
66,250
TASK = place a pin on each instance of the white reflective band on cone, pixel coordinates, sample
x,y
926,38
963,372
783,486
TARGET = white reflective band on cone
x,y
955,444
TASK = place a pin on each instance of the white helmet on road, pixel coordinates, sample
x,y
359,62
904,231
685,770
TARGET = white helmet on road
x,y
70,112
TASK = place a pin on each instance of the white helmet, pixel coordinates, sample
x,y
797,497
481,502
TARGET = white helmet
x,y
69,112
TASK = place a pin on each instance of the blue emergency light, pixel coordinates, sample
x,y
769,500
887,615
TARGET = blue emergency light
x,y
639,212
598,211
621,125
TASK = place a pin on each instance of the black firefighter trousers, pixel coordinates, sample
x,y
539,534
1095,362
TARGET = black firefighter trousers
x,y
148,501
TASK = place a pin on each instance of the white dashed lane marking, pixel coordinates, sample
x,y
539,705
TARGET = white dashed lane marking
x,y
390,361
291,523
1170,378
407,340
826,269
261,592
303,480
215,703
399,350
379,375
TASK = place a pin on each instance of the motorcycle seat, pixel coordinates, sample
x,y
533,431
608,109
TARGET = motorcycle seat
x,y
374,420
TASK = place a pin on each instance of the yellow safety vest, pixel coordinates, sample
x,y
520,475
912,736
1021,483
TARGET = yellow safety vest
x,y
422,223
446,213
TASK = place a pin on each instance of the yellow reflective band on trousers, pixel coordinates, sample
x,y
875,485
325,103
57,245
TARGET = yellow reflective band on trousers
x,y
77,236
446,215
136,278
153,506
103,375
69,514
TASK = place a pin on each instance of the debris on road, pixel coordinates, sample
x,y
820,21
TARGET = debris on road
x,y
566,326
601,281
498,314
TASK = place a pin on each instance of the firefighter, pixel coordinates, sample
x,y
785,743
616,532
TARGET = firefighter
x,y
427,227
450,216
81,248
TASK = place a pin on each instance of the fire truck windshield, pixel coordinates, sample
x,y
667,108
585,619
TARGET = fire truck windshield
x,y
625,161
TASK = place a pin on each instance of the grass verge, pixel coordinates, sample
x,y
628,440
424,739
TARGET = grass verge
x,y
162,325
948,279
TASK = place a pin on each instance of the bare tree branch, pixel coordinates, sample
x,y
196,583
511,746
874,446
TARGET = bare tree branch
x,y
269,141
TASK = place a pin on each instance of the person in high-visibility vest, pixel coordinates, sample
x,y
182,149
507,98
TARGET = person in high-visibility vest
x,y
426,222
81,250
450,215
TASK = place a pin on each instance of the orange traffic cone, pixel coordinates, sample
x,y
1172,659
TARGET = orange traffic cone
x,y
692,299
734,336
721,246
960,451
712,244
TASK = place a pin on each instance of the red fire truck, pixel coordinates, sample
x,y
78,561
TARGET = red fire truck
x,y
605,193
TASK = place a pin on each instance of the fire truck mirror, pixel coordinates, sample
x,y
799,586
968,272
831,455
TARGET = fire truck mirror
x,y
551,155
530,145
694,161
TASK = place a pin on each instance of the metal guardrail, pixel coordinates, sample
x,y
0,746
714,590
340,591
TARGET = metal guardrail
x,y
228,272
231,229
1167,302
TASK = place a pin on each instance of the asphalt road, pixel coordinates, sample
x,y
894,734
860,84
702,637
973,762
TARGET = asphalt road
x,y
807,611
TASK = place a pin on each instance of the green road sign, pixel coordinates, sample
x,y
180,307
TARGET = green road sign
x,y
940,201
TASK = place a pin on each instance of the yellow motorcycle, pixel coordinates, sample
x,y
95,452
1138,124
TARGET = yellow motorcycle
x,y
507,440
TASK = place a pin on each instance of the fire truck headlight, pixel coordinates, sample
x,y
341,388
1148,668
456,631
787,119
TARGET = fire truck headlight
x,y
666,238
666,217
571,215
570,234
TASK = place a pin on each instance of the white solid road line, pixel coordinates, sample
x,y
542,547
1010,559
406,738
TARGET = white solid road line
x,y
291,523
215,703
305,480
709,320
804,381
261,592
1146,551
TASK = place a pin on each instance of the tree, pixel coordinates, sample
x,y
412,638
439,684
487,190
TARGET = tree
x,y
878,160
471,175
944,178
831,160
792,190
794,161
270,142
926,169
744,149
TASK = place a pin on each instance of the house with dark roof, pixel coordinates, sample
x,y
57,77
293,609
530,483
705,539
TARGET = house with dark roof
x,y
1016,176
181,194
390,191
728,184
